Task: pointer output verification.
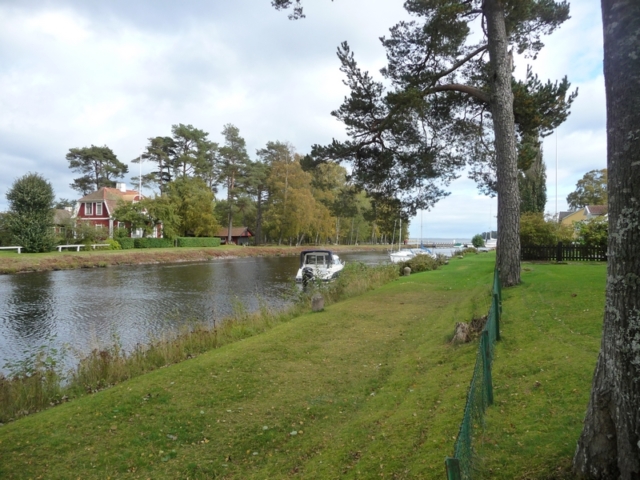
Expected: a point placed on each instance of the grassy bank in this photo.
(12, 262)
(543, 371)
(369, 387)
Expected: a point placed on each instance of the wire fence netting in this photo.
(480, 395)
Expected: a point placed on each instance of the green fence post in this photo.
(453, 468)
(496, 310)
(486, 351)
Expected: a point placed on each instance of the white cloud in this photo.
(75, 73)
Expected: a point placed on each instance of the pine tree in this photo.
(453, 102)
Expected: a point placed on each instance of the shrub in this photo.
(594, 232)
(422, 263)
(113, 244)
(126, 243)
(536, 230)
(477, 241)
(152, 243)
(198, 242)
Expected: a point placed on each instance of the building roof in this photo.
(561, 215)
(110, 197)
(235, 232)
(597, 210)
(61, 216)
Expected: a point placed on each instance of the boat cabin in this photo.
(317, 258)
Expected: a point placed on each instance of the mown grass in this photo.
(543, 370)
(370, 386)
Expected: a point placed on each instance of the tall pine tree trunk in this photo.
(609, 446)
(508, 253)
(259, 219)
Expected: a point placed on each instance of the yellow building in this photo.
(586, 213)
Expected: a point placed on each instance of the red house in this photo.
(239, 235)
(98, 208)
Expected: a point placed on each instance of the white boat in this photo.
(402, 255)
(409, 253)
(323, 265)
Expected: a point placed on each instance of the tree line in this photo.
(282, 196)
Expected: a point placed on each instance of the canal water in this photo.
(82, 310)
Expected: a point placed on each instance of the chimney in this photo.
(121, 186)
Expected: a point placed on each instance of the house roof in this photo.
(561, 215)
(597, 209)
(110, 197)
(60, 216)
(235, 232)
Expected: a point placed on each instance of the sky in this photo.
(75, 73)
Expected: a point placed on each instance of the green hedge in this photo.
(153, 243)
(126, 243)
(198, 242)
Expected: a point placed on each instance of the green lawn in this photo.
(368, 388)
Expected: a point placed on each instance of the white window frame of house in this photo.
(99, 208)
(99, 226)
(88, 209)
(121, 225)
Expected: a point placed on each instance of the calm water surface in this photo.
(88, 309)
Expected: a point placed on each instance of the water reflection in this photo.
(29, 306)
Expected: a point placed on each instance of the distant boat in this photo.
(409, 253)
(491, 243)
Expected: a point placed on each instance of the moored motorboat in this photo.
(409, 253)
(323, 265)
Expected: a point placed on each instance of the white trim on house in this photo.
(98, 208)
(88, 208)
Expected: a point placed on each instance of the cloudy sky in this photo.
(79, 72)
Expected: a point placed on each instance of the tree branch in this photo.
(460, 62)
(456, 87)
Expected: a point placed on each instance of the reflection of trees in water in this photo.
(127, 305)
(30, 305)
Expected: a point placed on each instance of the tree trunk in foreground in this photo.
(508, 252)
(609, 447)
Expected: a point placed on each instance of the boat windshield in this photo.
(315, 259)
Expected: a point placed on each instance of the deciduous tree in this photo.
(291, 203)
(192, 202)
(591, 189)
(609, 446)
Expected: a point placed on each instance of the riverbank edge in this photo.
(11, 263)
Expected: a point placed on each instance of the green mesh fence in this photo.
(480, 395)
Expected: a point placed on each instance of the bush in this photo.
(477, 241)
(113, 244)
(594, 232)
(536, 230)
(422, 263)
(126, 243)
(198, 242)
(152, 243)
